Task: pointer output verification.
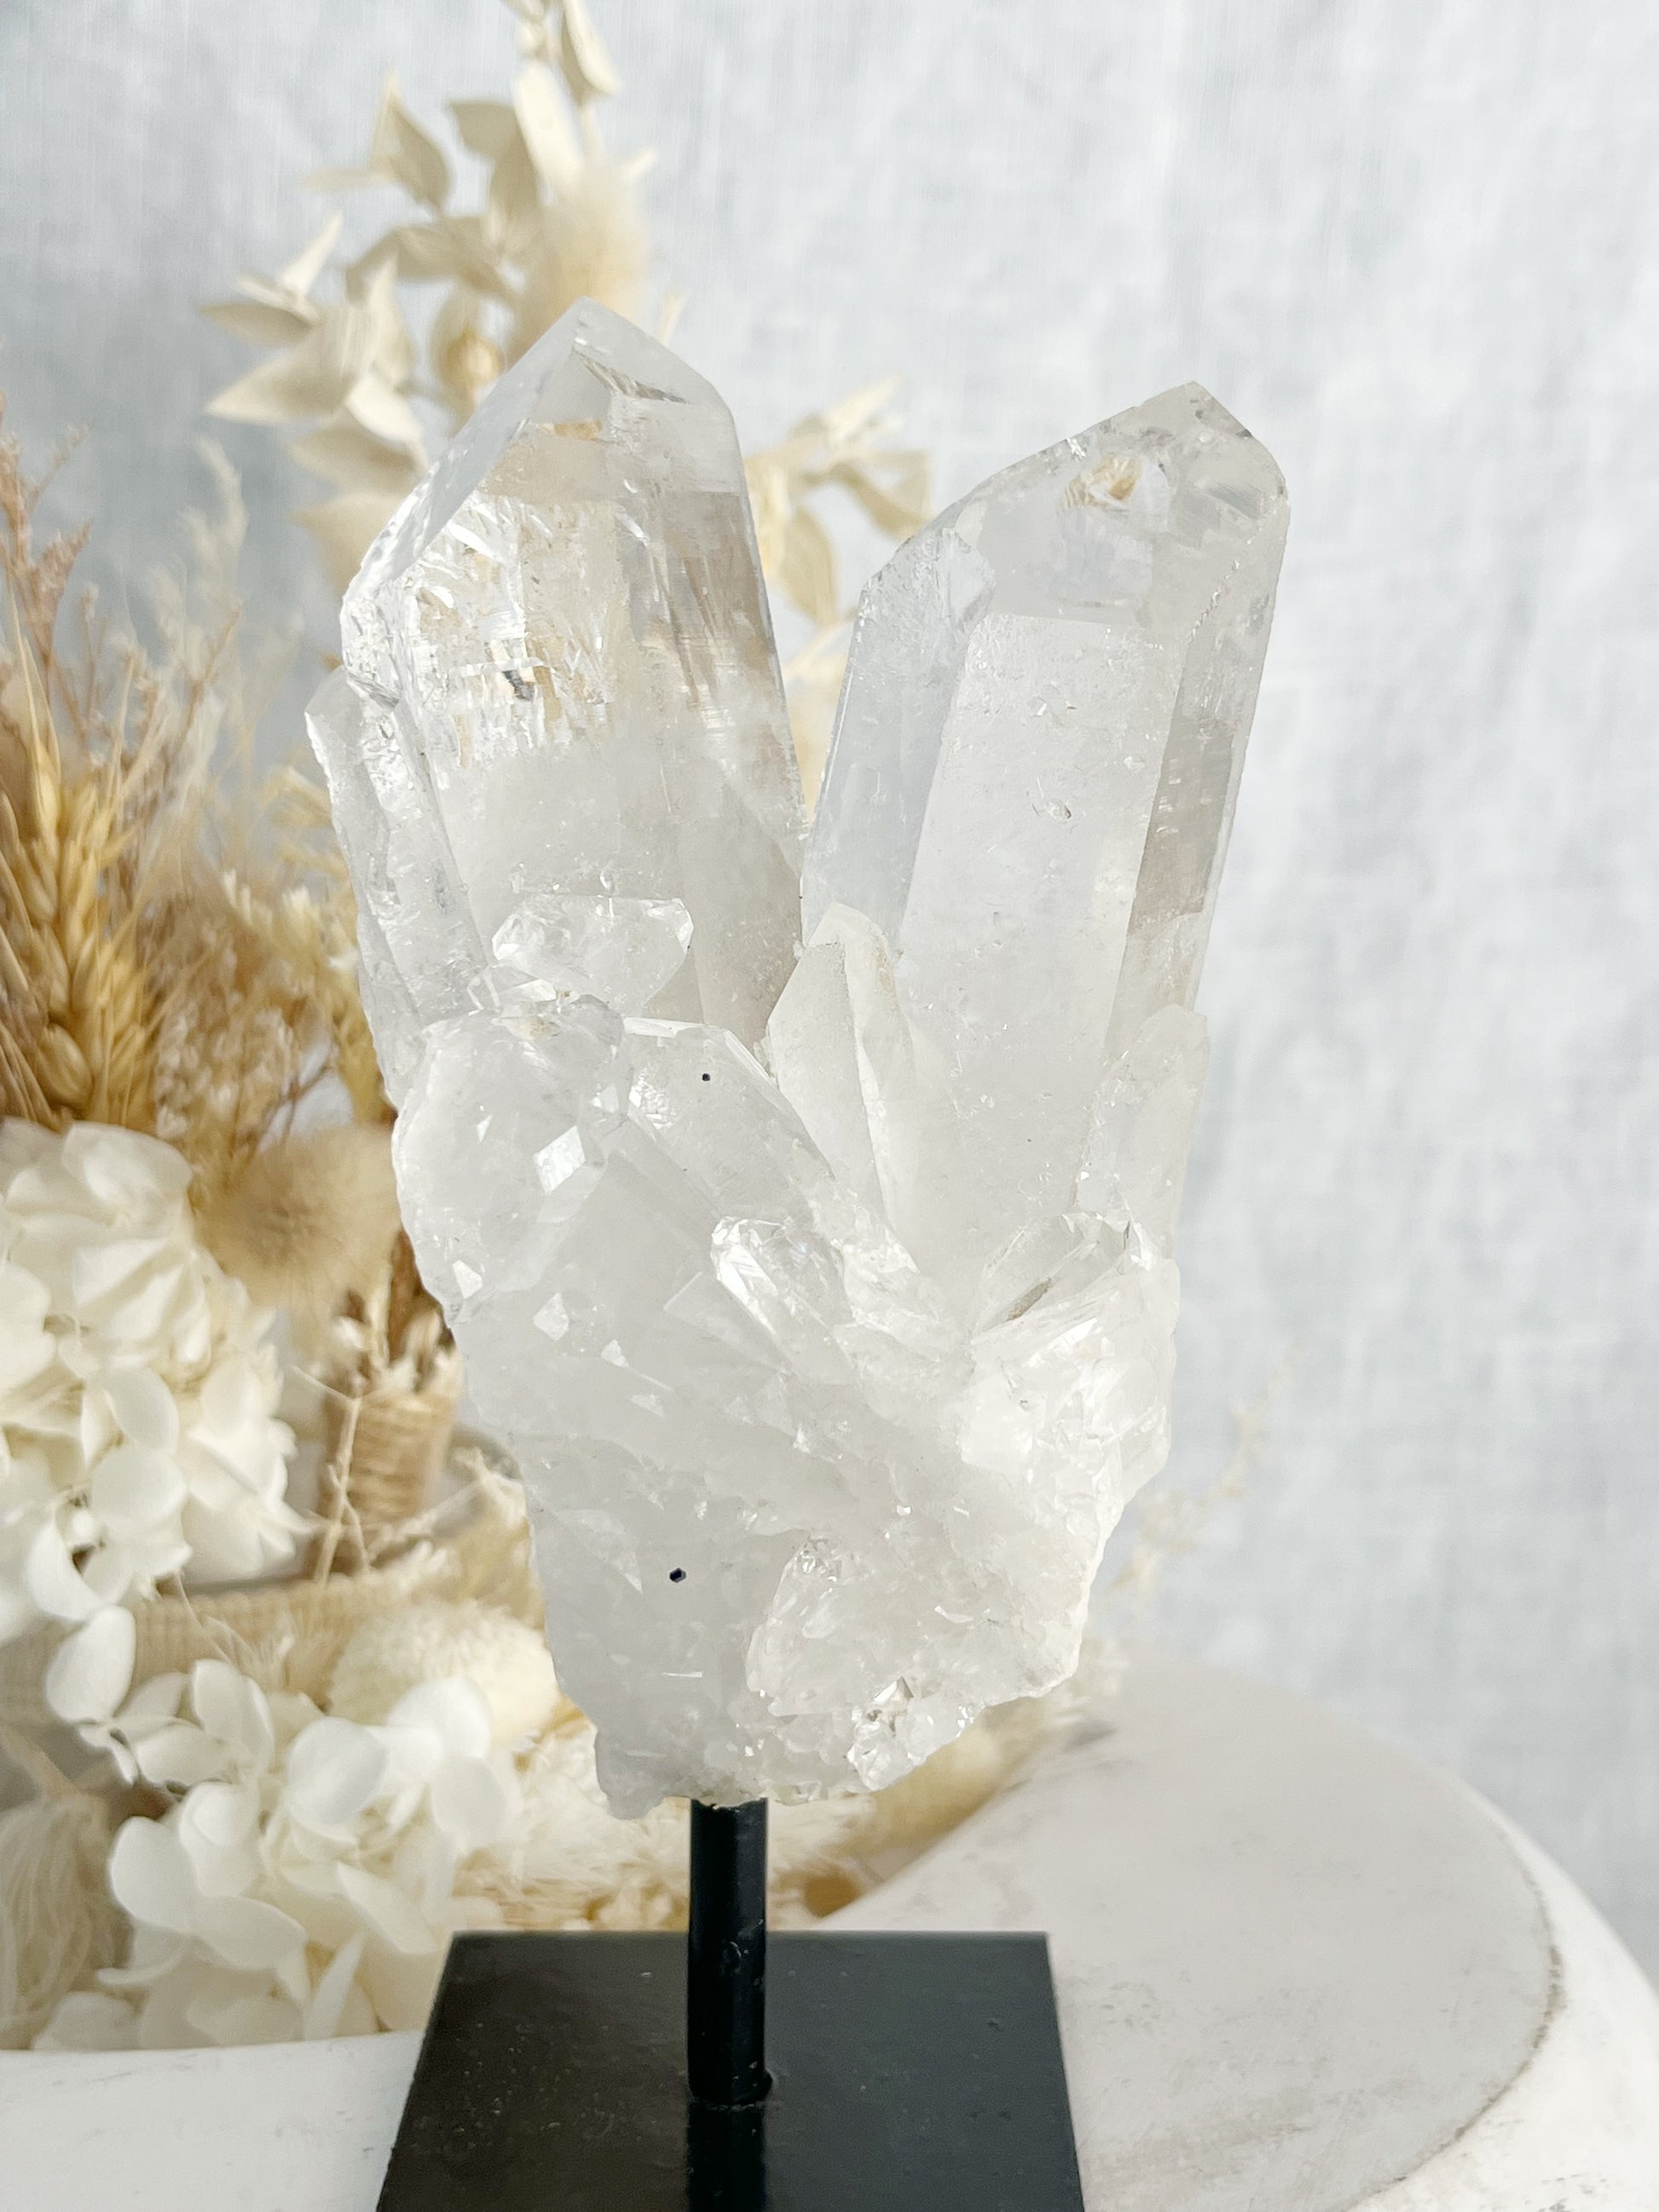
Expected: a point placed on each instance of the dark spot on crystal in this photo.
(677, 1574)
(707, 1077)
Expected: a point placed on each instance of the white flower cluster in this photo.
(138, 1386)
(303, 1884)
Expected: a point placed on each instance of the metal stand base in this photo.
(910, 2074)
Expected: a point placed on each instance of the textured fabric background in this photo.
(1414, 248)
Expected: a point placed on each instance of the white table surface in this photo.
(1296, 1972)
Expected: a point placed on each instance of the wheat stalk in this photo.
(76, 1016)
(138, 985)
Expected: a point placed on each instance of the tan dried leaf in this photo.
(513, 211)
(347, 456)
(807, 569)
(534, 31)
(484, 126)
(311, 377)
(539, 108)
(308, 265)
(769, 496)
(404, 153)
(668, 316)
(588, 69)
(261, 322)
(451, 247)
(899, 505)
(343, 529)
(385, 414)
(341, 179)
(391, 350)
(853, 417)
(592, 246)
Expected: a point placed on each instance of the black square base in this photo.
(910, 2074)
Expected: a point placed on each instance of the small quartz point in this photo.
(559, 685)
(827, 1301)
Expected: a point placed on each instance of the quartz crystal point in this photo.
(831, 1344)
(560, 715)
(1031, 784)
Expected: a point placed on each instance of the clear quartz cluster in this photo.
(824, 1293)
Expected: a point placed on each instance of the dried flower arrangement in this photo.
(560, 219)
(319, 1740)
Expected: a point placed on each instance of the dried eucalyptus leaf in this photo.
(341, 180)
(312, 378)
(404, 153)
(807, 570)
(485, 126)
(588, 69)
(539, 107)
(302, 272)
(343, 529)
(514, 215)
(391, 350)
(347, 455)
(260, 322)
(385, 412)
(897, 508)
(450, 248)
(859, 412)
(769, 496)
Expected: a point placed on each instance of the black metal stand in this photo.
(600, 2072)
(725, 1957)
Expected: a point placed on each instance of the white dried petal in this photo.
(121, 1341)
(325, 2014)
(335, 1770)
(90, 1670)
(150, 1877)
(454, 1710)
(235, 1710)
(387, 1912)
(473, 1802)
(249, 1935)
(176, 1756)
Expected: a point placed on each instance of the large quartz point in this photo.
(560, 686)
(1032, 781)
(827, 1301)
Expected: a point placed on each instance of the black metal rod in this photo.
(725, 1956)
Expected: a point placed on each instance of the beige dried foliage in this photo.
(103, 759)
(843, 448)
(559, 220)
(589, 245)
(177, 945)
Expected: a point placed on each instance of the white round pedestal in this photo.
(1296, 1972)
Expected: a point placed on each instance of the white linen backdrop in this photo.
(1416, 248)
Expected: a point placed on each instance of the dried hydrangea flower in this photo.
(138, 1385)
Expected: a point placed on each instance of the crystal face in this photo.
(827, 1301)
(1034, 772)
(560, 682)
